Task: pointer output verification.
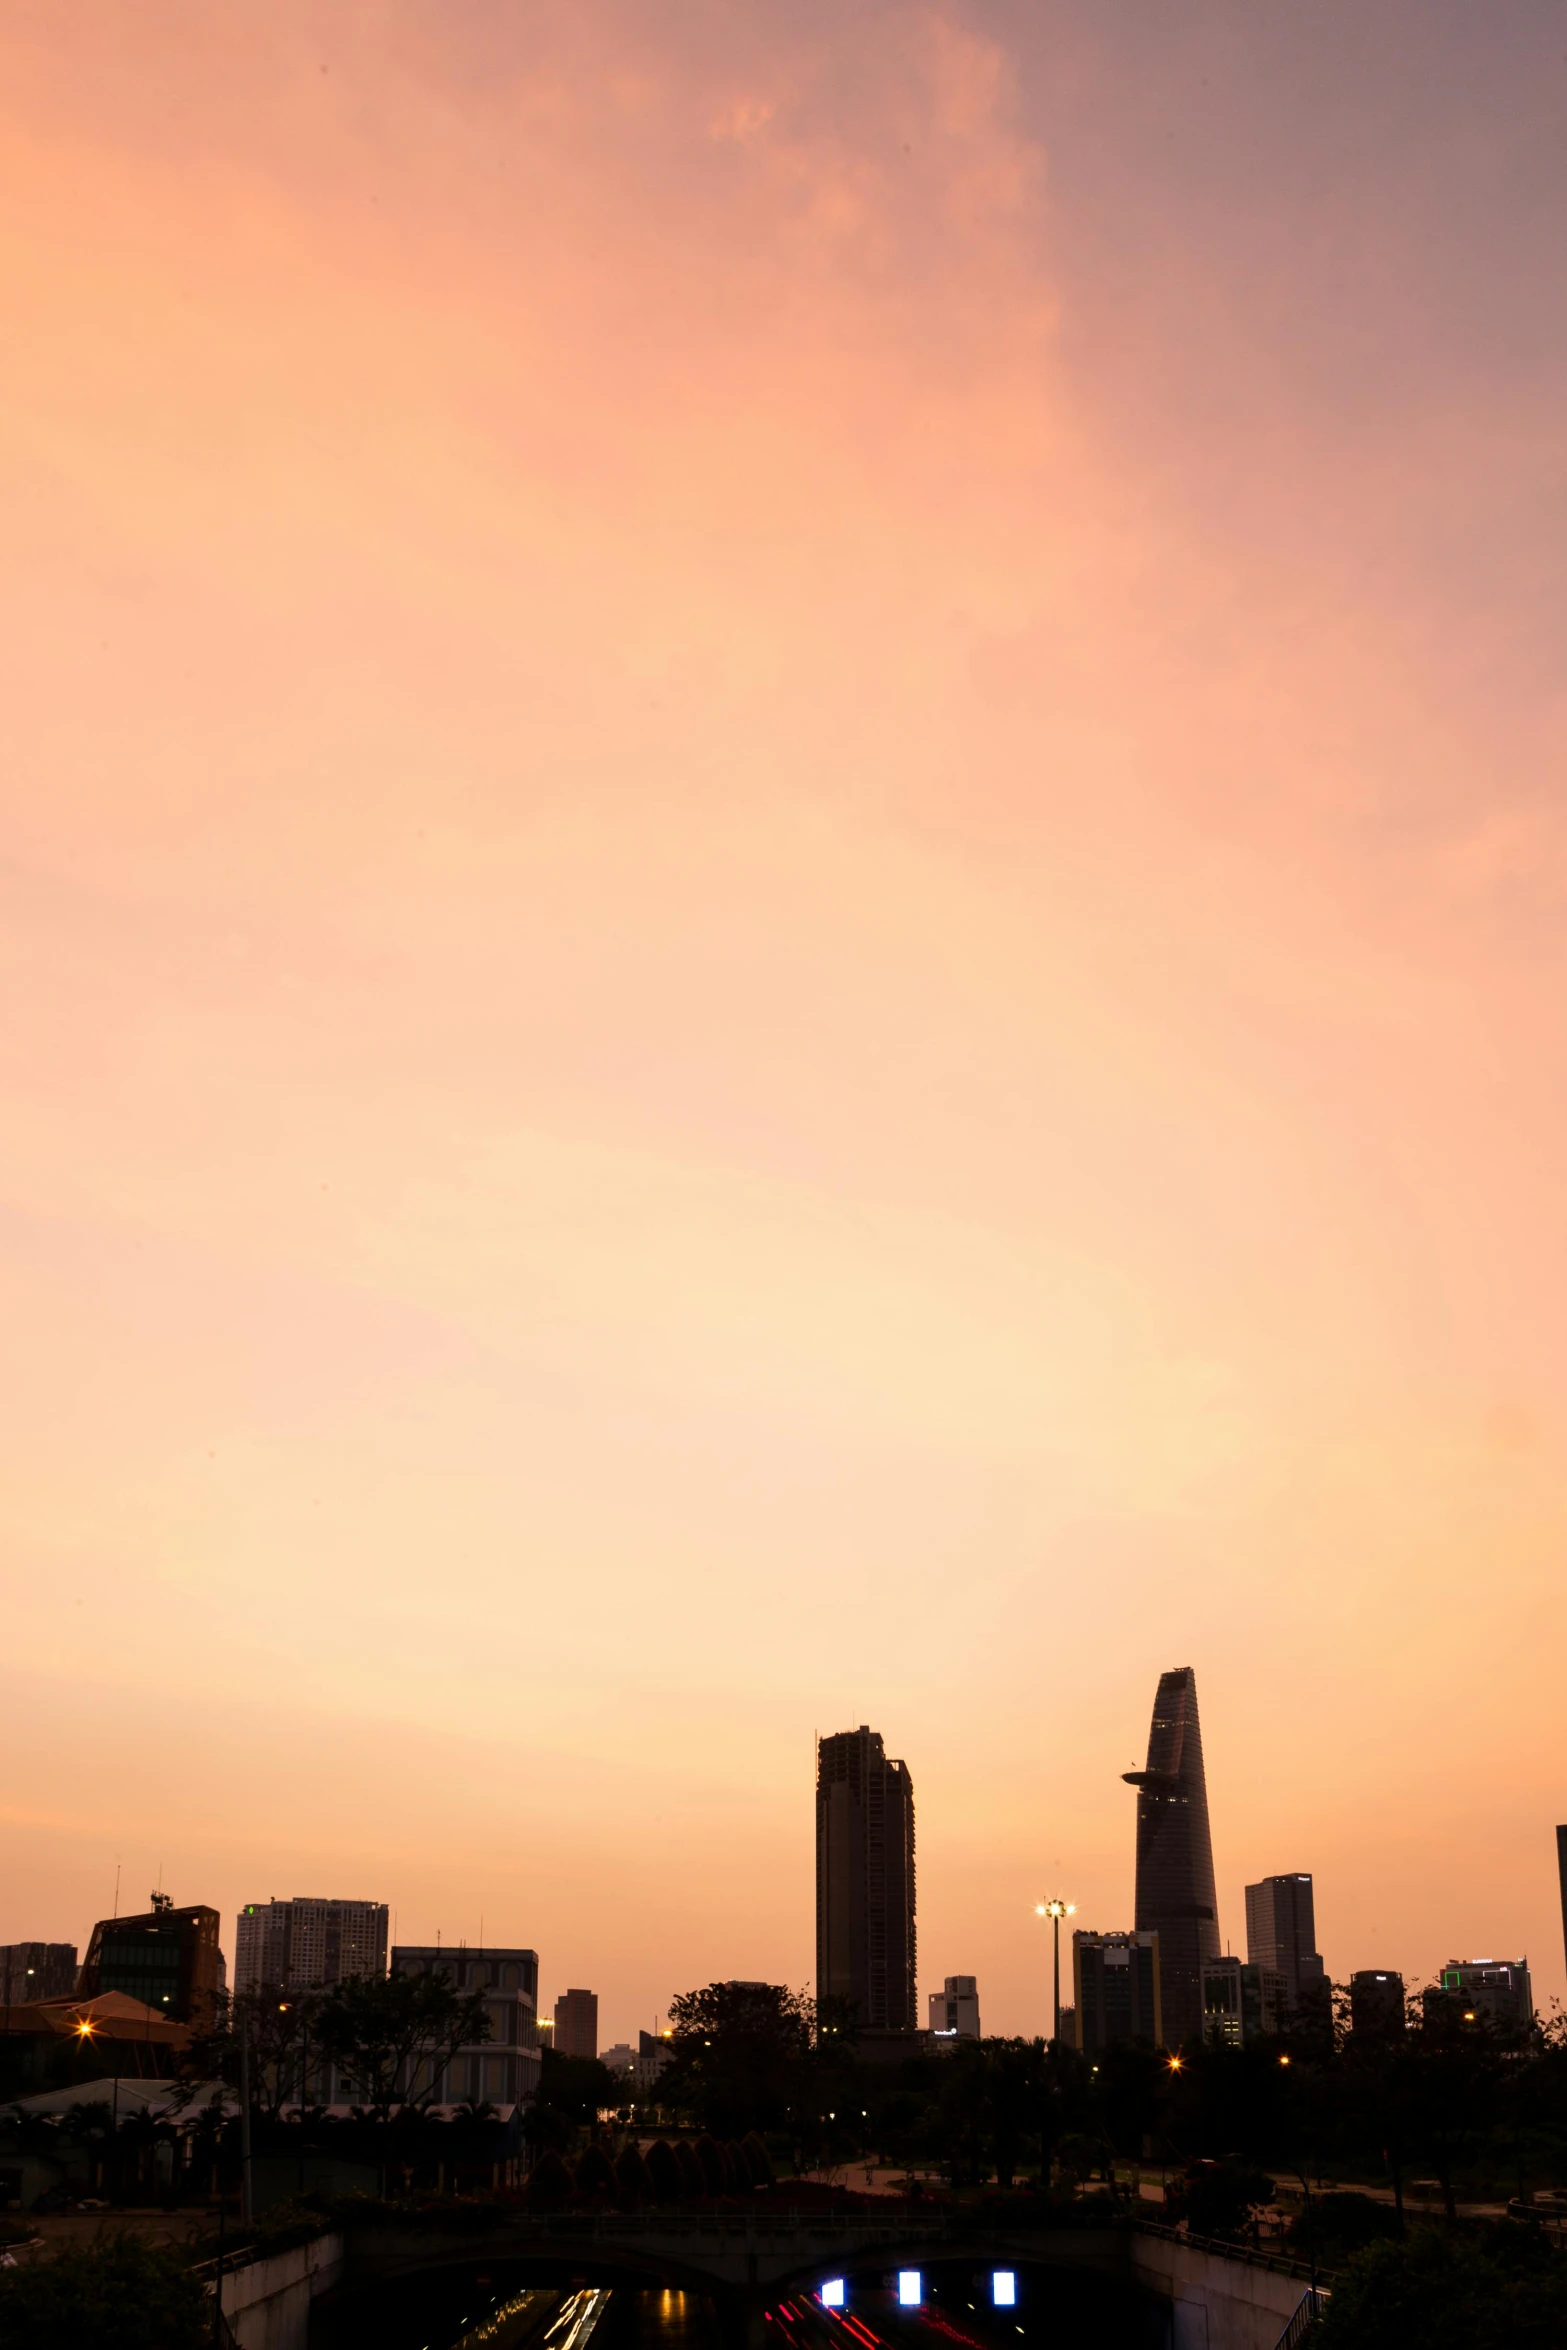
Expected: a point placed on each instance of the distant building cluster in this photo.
(1167, 1979)
(148, 1982)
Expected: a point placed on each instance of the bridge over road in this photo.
(1217, 2297)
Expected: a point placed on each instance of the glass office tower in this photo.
(1175, 1889)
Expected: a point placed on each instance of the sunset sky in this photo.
(783, 944)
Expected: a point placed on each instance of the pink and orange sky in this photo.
(783, 880)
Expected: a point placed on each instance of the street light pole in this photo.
(1055, 1910)
(247, 2193)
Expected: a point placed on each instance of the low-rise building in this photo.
(639, 2066)
(167, 1958)
(36, 1970)
(55, 2043)
(1497, 1988)
(954, 2010)
(502, 2071)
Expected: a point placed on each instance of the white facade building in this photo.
(502, 2071)
(954, 2010)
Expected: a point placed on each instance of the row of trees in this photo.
(1450, 2099)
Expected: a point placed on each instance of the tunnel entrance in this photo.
(956, 2304)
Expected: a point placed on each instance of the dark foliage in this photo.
(280, 2030)
(757, 2159)
(395, 2034)
(595, 2173)
(1334, 2226)
(692, 2180)
(549, 2183)
(663, 2171)
(1435, 2289)
(118, 2293)
(740, 2055)
(1219, 2198)
(632, 2184)
(544, 2127)
(578, 2086)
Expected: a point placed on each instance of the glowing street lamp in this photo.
(1055, 1911)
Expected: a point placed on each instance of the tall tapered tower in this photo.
(865, 1951)
(1175, 1891)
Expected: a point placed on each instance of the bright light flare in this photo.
(1003, 2288)
(832, 2293)
(911, 2288)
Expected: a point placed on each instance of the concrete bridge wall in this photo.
(1215, 2303)
(267, 2302)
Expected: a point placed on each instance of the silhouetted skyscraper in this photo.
(1281, 1933)
(1376, 2003)
(1561, 1871)
(865, 1946)
(1175, 1891)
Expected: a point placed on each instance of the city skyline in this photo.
(1279, 1909)
(782, 922)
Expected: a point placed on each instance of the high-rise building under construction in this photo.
(865, 1881)
(1175, 1890)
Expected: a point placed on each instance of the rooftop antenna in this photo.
(116, 1910)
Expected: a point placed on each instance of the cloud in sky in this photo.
(781, 923)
